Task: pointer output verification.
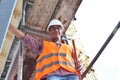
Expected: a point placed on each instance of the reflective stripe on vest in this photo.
(52, 58)
(53, 54)
(54, 63)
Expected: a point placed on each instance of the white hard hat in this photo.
(55, 22)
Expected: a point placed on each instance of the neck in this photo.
(56, 40)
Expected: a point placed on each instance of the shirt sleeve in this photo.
(32, 43)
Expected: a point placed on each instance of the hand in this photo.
(79, 67)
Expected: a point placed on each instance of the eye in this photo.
(55, 27)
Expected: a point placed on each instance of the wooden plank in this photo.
(2, 58)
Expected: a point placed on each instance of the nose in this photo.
(57, 29)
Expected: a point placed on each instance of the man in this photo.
(55, 61)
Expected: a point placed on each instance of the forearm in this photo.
(19, 34)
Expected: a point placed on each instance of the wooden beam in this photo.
(43, 10)
(40, 14)
(65, 11)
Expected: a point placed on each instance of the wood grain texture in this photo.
(65, 11)
(41, 13)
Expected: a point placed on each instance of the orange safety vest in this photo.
(52, 58)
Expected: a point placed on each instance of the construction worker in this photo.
(55, 61)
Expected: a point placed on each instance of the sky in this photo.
(95, 21)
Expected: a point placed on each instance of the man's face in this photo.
(55, 32)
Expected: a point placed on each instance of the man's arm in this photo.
(19, 34)
(31, 42)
